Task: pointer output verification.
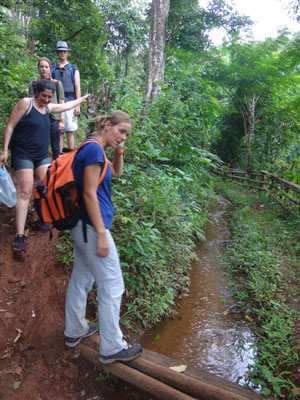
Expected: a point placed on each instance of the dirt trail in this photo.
(34, 363)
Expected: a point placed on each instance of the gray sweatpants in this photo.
(106, 272)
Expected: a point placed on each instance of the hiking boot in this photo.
(133, 351)
(72, 342)
(18, 243)
(38, 225)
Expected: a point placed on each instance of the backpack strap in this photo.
(53, 70)
(71, 69)
(55, 82)
(92, 140)
(103, 172)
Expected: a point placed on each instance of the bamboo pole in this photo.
(267, 179)
(284, 182)
(293, 200)
(246, 179)
(278, 201)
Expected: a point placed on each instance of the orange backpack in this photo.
(56, 198)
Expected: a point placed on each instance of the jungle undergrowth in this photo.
(263, 267)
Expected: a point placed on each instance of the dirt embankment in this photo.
(34, 363)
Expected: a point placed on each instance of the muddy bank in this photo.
(34, 363)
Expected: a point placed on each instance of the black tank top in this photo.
(31, 136)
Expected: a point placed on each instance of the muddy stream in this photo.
(201, 334)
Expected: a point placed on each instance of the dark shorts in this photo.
(22, 163)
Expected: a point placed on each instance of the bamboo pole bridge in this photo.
(151, 372)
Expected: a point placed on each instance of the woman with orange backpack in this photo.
(96, 260)
(27, 132)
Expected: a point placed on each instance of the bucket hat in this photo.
(62, 46)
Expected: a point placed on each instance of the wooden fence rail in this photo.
(285, 193)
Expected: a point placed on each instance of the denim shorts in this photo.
(22, 163)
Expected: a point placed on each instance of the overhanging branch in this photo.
(76, 33)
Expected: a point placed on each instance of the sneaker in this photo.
(72, 342)
(133, 351)
(18, 243)
(38, 225)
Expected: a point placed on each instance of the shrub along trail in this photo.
(263, 264)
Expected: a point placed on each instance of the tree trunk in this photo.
(249, 115)
(156, 63)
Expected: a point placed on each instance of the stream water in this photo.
(201, 334)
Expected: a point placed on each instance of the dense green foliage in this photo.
(194, 36)
(16, 67)
(260, 85)
(263, 264)
(157, 219)
(239, 101)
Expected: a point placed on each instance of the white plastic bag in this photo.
(8, 192)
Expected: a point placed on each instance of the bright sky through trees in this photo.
(267, 15)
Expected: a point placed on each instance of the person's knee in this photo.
(111, 291)
(70, 137)
(24, 192)
(70, 140)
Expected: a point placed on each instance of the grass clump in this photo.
(263, 265)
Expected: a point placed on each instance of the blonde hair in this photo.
(115, 117)
(48, 61)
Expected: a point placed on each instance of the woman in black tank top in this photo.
(27, 132)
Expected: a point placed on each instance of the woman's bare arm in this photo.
(90, 186)
(17, 113)
(57, 108)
